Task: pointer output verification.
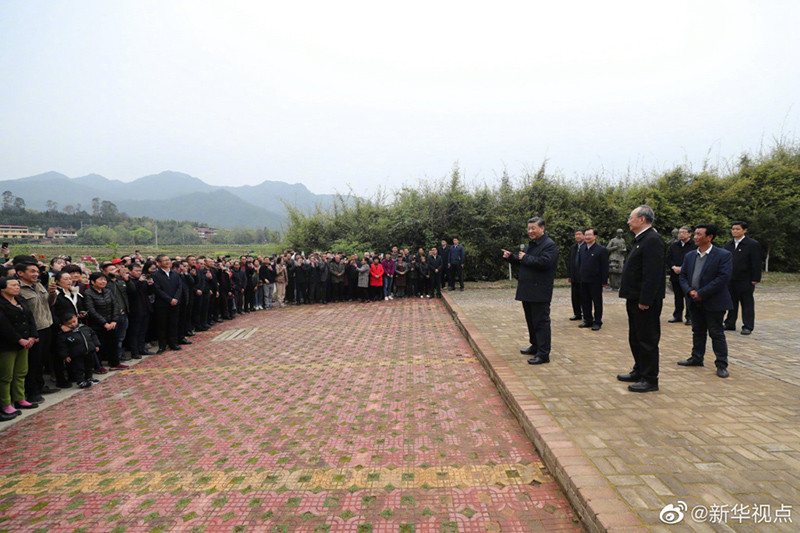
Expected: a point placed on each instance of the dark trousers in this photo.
(412, 287)
(224, 305)
(238, 299)
(211, 307)
(57, 367)
(198, 318)
(708, 323)
(681, 300)
(80, 367)
(742, 293)
(456, 271)
(575, 293)
(537, 316)
(37, 357)
(184, 322)
(376, 292)
(166, 318)
(336, 291)
(249, 298)
(644, 334)
(316, 291)
(302, 293)
(592, 294)
(435, 284)
(137, 332)
(108, 346)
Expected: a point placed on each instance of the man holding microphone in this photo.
(537, 272)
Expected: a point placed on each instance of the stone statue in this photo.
(616, 259)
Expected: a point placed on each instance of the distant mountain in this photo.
(172, 195)
(219, 209)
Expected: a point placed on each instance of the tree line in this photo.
(762, 189)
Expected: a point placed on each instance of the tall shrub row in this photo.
(763, 190)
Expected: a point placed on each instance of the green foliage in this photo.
(763, 190)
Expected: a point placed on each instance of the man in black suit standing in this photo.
(643, 286)
(675, 254)
(537, 272)
(746, 275)
(704, 278)
(574, 275)
(167, 287)
(594, 276)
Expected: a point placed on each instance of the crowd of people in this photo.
(73, 321)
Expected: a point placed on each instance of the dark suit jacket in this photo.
(456, 255)
(166, 288)
(573, 265)
(746, 260)
(594, 264)
(676, 253)
(714, 278)
(643, 277)
(537, 270)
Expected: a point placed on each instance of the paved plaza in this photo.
(729, 446)
(348, 417)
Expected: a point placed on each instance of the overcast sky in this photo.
(331, 94)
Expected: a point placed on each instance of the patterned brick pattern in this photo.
(700, 439)
(346, 417)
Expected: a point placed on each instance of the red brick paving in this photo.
(344, 417)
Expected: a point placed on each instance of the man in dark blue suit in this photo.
(167, 288)
(537, 272)
(593, 276)
(704, 278)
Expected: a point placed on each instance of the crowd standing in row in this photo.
(63, 320)
(707, 281)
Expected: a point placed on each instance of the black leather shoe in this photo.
(576, 317)
(148, 352)
(530, 350)
(136, 356)
(629, 378)
(688, 322)
(161, 350)
(585, 325)
(190, 333)
(729, 327)
(47, 390)
(746, 331)
(184, 341)
(596, 327)
(691, 362)
(36, 399)
(643, 386)
(18, 405)
(722, 372)
(5, 417)
(175, 348)
(538, 360)
(674, 320)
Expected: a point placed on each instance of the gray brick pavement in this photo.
(700, 439)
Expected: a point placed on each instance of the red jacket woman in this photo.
(376, 274)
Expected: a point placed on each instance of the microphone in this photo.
(521, 247)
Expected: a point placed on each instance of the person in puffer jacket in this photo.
(76, 345)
